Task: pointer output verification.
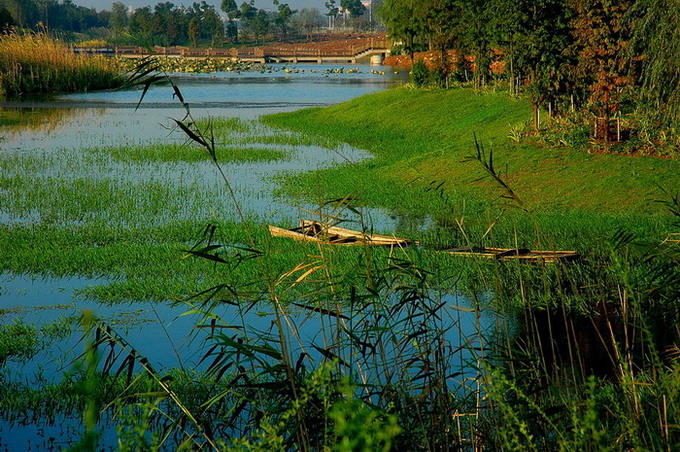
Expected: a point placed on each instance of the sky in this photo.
(266, 4)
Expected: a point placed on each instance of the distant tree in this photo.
(141, 24)
(505, 19)
(247, 14)
(656, 36)
(213, 24)
(119, 18)
(355, 7)
(282, 18)
(443, 22)
(24, 12)
(405, 21)
(543, 35)
(194, 30)
(261, 24)
(602, 37)
(307, 20)
(231, 10)
(6, 19)
(477, 36)
(228, 6)
(332, 13)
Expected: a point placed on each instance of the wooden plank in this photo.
(515, 254)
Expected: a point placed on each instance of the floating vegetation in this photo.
(192, 65)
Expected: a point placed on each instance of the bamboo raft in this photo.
(515, 254)
(314, 231)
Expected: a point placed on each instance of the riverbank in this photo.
(424, 136)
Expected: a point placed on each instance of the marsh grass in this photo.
(21, 341)
(243, 132)
(35, 62)
(183, 153)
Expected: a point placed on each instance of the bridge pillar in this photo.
(377, 59)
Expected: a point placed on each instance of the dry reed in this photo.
(38, 63)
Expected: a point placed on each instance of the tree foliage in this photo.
(560, 53)
(63, 15)
(656, 36)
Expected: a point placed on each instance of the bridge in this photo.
(370, 51)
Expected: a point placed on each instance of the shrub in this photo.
(420, 74)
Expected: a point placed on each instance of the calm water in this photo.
(71, 123)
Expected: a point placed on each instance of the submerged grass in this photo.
(39, 63)
(185, 153)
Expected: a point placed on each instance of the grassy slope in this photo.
(422, 136)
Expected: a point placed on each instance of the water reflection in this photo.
(601, 343)
(45, 120)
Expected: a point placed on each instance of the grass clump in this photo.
(39, 63)
(18, 341)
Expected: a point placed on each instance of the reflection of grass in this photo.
(38, 118)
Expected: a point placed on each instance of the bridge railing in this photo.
(248, 52)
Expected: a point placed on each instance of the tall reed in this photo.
(38, 63)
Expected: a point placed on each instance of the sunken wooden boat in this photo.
(315, 231)
(520, 254)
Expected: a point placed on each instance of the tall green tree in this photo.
(505, 29)
(355, 7)
(261, 24)
(142, 25)
(282, 18)
(476, 33)
(212, 25)
(405, 21)
(543, 34)
(231, 10)
(119, 18)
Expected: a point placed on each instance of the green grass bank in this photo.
(421, 138)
